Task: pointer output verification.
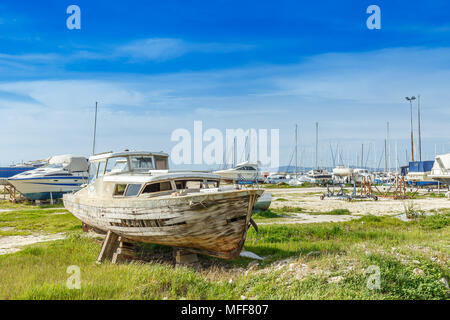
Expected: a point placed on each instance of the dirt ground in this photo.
(12, 244)
(309, 200)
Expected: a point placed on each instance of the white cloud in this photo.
(161, 49)
(154, 49)
(352, 95)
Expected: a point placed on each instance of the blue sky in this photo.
(155, 66)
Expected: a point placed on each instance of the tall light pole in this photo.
(410, 99)
(296, 151)
(418, 120)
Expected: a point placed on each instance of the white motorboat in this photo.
(264, 201)
(62, 174)
(135, 196)
(319, 176)
(277, 178)
(298, 180)
(441, 169)
(248, 171)
(342, 172)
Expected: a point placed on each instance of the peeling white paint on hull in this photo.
(214, 223)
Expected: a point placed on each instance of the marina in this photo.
(224, 150)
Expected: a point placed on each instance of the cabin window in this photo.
(193, 184)
(212, 184)
(141, 163)
(190, 184)
(119, 190)
(117, 164)
(101, 169)
(157, 187)
(247, 168)
(93, 171)
(132, 190)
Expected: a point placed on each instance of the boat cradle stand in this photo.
(116, 249)
(331, 193)
(119, 250)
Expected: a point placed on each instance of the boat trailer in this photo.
(365, 192)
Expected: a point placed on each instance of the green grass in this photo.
(327, 250)
(287, 211)
(4, 204)
(26, 222)
(334, 212)
(266, 214)
(287, 186)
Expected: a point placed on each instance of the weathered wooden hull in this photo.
(213, 224)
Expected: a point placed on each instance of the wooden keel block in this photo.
(183, 257)
(85, 227)
(109, 246)
(125, 251)
(120, 257)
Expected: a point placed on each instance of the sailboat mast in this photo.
(234, 153)
(296, 151)
(317, 145)
(388, 150)
(362, 155)
(95, 128)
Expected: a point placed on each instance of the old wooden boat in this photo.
(134, 195)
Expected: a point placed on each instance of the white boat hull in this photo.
(41, 189)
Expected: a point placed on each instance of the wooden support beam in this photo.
(110, 244)
(125, 252)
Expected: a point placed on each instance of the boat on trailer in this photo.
(441, 169)
(136, 197)
(62, 174)
(418, 174)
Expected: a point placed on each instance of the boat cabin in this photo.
(144, 174)
(121, 162)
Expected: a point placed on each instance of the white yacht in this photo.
(319, 176)
(441, 169)
(342, 172)
(245, 171)
(62, 174)
(276, 178)
(298, 180)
